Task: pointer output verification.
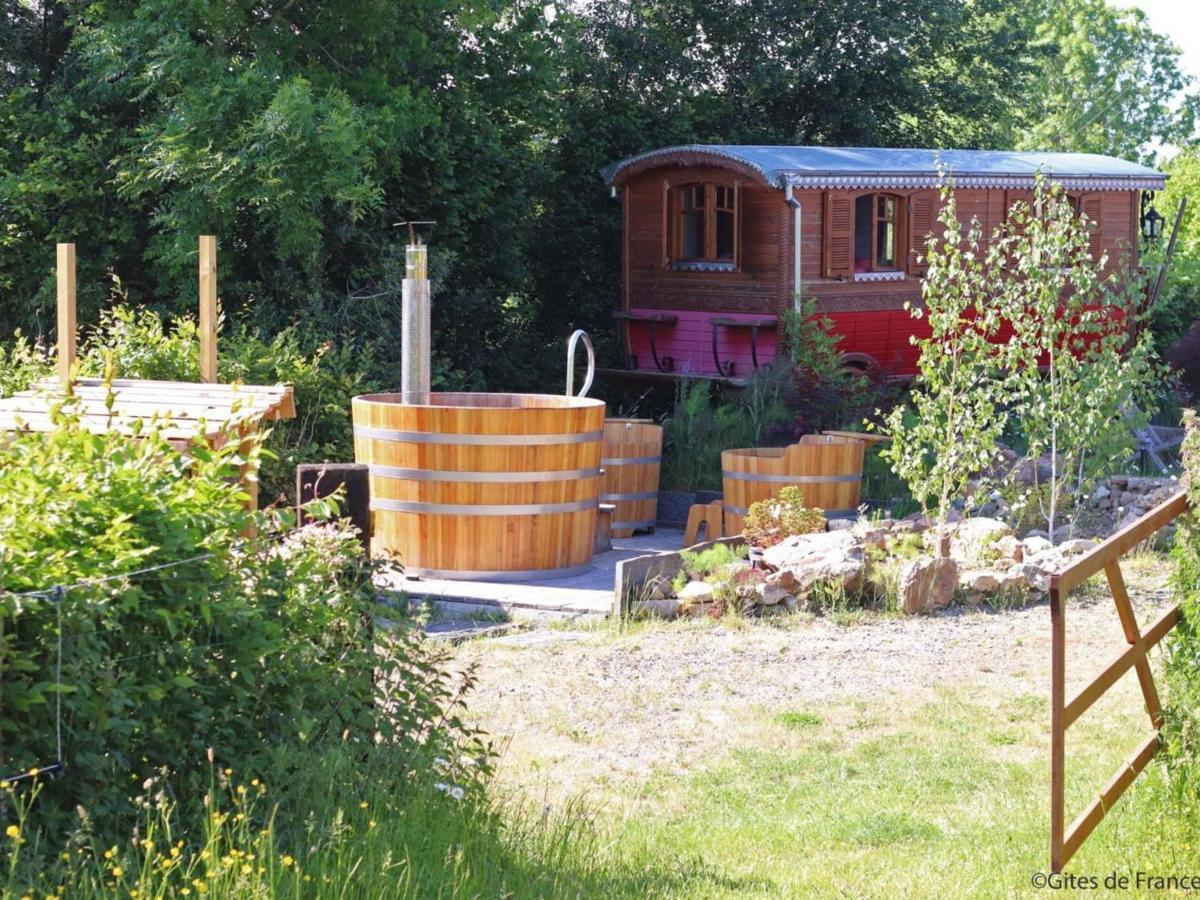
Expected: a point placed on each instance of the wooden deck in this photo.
(184, 411)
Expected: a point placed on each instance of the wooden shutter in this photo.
(922, 215)
(1090, 208)
(839, 235)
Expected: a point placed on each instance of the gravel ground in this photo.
(604, 710)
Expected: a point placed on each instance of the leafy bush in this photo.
(1179, 304)
(22, 364)
(696, 433)
(251, 647)
(698, 565)
(770, 521)
(1183, 659)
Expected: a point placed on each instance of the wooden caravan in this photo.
(719, 239)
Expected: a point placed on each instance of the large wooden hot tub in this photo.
(482, 486)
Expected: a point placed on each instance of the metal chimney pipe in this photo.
(414, 325)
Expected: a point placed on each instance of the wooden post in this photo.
(208, 308)
(1058, 691)
(66, 313)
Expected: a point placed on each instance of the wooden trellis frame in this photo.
(1104, 557)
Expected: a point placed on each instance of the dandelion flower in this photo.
(33, 773)
(371, 824)
(363, 805)
(286, 860)
(117, 872)
(13, 831)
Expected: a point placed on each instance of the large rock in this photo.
(1035, 544)
(803, 560)
(1036, 578)
(914, 523)
(1009, 547)
(928, 583)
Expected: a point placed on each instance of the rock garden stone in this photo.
(928, 583)
(1009, 547)
(1075, 547)
(973, 540)
(913, 523)
(979, 581)
(1035, 544)
(695, 591)
(696, 598)
(772, 594)
(664, 609)
(801, 561)
(1036, 578)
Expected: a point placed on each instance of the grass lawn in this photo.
(949, 799)
(937, 786)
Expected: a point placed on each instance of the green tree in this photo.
(1108, 83)
(298, 132)
(958, 399)
(1178, 306)
(1076, 375)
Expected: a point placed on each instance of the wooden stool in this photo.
(711, 516)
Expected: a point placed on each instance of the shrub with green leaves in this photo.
(22, 364)
(1183, 659)
(178, 633)
(770, 521)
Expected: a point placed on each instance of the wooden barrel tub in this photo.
(631, 460)
(482, 486)
(827, 469)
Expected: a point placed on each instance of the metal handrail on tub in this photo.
(580, 334)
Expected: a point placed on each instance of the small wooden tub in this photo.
(483, 486)
(631, 461)
(827, 469)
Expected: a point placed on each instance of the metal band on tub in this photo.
(791, 479)
(482, 509)
(479, 440)
(639, 495)
(474, 477)
(630, 460)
